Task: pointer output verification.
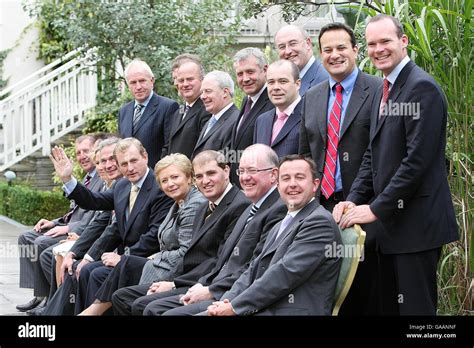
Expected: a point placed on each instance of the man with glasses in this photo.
(279, 127)
(258, 176)
(294, 43)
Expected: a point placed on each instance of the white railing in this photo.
(45, 106)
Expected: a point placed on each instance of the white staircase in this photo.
(45, 106)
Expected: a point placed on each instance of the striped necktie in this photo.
(328, 184)
(252, 212)
(137, 115)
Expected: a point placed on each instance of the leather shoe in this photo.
(30, 305)
(39, 309)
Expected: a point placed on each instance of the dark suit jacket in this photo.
(244, 137)
(315, 74)
(209, 236)
(80, 217)
(241, 244)
(292, 276)
(93, 231)
(287, 141)
(153, 129)
(354, 131)
(219, 136)
(185, 133)
(138, 233)
(404, 168)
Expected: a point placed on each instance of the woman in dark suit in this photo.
(174, 176)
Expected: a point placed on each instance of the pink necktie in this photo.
(279, 123)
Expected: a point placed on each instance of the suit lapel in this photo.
(149, 110)
(127, 121)
(141, 200)
(261, 101)
(217, 125)
(323, 96)
(191, 114)
(267, 128)
(273, 244)
(121, 205)
(293, 120)
(215, 216)
(358, 97)
(394, 92)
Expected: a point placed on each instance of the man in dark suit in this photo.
(336, 139)
(47, 233)
(280, 127)
(258, 176)
(146, 118)
(404, 174)
(139, 207)
(294, 274)
(59, 302)
(188, 121)
(250, 67)
(217, 92)
(294, 43)
(213, 225)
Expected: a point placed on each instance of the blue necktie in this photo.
(210, 124)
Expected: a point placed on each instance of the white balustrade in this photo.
(40, 111)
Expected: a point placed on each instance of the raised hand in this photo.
(62, 164)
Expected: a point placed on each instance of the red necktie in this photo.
(386, 91)
(328, 184)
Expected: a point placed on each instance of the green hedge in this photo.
(27, 206)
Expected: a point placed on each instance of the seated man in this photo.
(139, 205)
(257, 172)
(60, 301)
(293, 275)
(47, 233)
(212, 226)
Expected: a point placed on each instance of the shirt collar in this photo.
(92, 173)
(140, 182)
(220, 113)
(307, 66)
(256, 96)
(294, 213)
(348, 83)
(392, 77)
(261, 200)
(289, 110)
(145, 103)
(227, 189)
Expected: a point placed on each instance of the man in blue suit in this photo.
(279, 127)
(146, 118)
(294, 43)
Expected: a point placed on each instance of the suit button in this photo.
(375, 173)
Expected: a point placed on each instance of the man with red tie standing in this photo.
(402, 180)
(335, 130)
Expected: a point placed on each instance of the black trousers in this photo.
(408, 283)
(133, 300)
(126, 273)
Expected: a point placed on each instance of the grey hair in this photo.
(140, 64)
(223, 80)
(248, 52)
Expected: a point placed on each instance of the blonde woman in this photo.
(174, 176)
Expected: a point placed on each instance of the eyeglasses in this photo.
(251, 171)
